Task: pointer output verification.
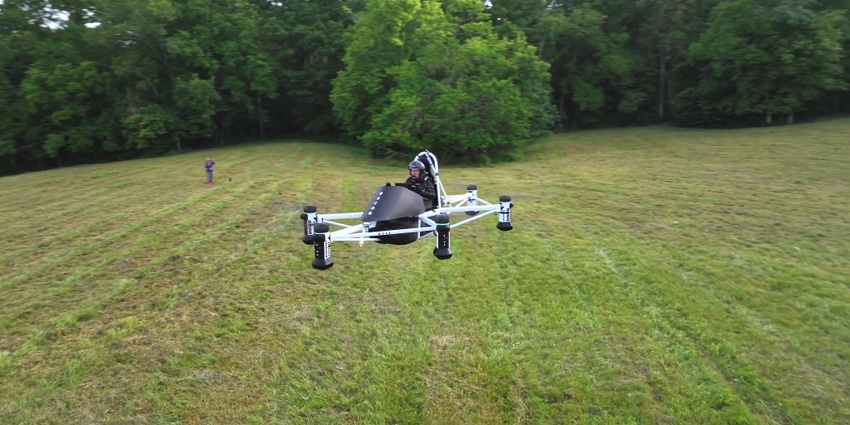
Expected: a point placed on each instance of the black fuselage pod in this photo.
(394, 208)
(391, 202)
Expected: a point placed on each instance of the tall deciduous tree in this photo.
(8, 101)
(449, 82)
(305, 38)
(593, 69)
(374, 44)
(93, 80)
(69, 94)
(21, 38)
(769, 57)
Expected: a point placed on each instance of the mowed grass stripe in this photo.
(792, 299)
(671, 303)
(139, 242)
(137, 229)
(87, 183)
(161, 300)
(218, 306)
(635, 288)
(81, 228)
(143, 230)
(577, 351)
(50, 189)
(709, 239)
(92, 249)
(92, 181)
(67, 292)
(737, 340)
(143, 179)
(645, 282)
(77, 225)
(104, 233)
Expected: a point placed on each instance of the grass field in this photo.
(654, 276)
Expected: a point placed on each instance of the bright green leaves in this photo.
(161, 10)
(71, 97)
(198, 100)
(195, 68)
(440, 80)
(462, 120)
(151, 125)
(398, 75)
(8, 97)
(187, 47)
(592, 67)
(374, 45)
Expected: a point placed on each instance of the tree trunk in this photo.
(574, 118)
(661, 77)
(671, 87)
(224, 126)
(562, 106)
(791, 118)
(260, 119)
(575, 109)
(768, 115)
(155, 91)
(220, 127)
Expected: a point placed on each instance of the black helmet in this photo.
(416, 165)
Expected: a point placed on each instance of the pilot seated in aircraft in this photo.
(421, 183)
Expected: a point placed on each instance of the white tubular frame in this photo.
(468, 203)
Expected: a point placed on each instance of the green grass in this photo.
(654, 276)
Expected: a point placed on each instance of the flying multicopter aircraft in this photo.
(397, 216)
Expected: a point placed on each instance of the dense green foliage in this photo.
(441, 80)
(95, 80)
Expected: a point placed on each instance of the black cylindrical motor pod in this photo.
(472, 198)
(322, 247)
(505, 205)
(309, 218)
(442, 250)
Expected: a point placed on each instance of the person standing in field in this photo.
(209, 166)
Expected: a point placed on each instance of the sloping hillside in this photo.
(653, 276)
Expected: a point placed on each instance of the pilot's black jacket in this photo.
(424, 186)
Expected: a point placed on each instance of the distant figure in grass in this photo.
(209, 166)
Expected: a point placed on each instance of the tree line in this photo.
(102, 80)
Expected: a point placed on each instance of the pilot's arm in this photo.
(425, 189)
(428, 191)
